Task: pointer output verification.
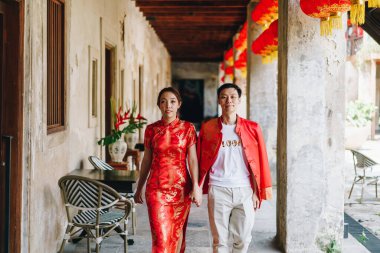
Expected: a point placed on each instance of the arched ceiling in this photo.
(195, 30)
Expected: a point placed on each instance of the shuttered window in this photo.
(55, 66)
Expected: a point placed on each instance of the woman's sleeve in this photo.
(192, 136)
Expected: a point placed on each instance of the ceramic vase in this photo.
(117, 150)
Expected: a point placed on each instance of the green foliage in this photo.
(116, 134)
(363, 237)
(124, 122)
(332, 247)
(359, 113)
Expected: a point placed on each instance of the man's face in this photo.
(229, 100)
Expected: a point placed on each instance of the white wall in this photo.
(90, 26)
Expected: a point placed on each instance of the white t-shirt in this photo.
(230, 168)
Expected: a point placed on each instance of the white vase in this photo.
(117, 150)
(132, 139)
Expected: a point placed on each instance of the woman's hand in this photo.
(137, 197)
(196, 195)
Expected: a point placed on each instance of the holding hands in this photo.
(196, 195)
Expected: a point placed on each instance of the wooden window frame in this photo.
(93, 56)
(56, 88)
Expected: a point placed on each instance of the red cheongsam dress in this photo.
(169, 184)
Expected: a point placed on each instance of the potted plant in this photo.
(358, 118)
(124, 122)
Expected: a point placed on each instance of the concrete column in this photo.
(263, 94)
(310, 149)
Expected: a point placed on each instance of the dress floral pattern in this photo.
(169, 184)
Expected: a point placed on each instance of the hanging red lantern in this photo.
(312, 9)
(241, 62)
(265, 12)
(241, 42)
(335, 8)
(266, 44)
(229, 70)
(328, 11)
(229, 57)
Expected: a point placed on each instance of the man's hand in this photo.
(255, 200)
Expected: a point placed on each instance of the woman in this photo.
(169, 191)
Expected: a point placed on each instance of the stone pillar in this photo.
(310, 151)
(263, 94)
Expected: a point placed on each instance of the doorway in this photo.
(109, 65)
(11, 90)
(192, 107)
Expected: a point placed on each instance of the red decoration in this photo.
(328, 11)
(241, 42)
(229, 70)
(265, 12)
(229, 57)
(266, 44)
(241, 62)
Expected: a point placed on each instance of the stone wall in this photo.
(91, 26)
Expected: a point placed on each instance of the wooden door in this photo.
(11, 76)
(109, 91)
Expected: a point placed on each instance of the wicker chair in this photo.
(101, 165)
(365, 169)
(90, 206)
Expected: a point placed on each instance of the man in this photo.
(234, 171)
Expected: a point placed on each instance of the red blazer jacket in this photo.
(210, 138)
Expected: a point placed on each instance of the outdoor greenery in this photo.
(328, 245)
(363, 237)
(359, 113)
(124, 122)
(332, 247)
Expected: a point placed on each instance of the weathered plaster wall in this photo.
(263, 98)
(90, 27)
(206, 71)
(311, 147)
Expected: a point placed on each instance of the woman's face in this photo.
(169, 105)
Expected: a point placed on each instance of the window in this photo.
(93, 86)
(55, 66)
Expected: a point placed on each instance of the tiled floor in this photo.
(199, 238)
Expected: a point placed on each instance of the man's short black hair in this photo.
(227, 86)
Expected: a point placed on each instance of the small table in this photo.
(119, 166)
(120, 180)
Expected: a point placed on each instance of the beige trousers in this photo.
(231, 211)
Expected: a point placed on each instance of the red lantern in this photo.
(229, 57)
(241, 62)
(241, 42)
(229, 70)
(312, 9)
(266, 44)
(328, 11)
(335, 8)
(265, 12)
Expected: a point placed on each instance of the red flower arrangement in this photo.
(124, 122)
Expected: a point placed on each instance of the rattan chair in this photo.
(367, 172)
(90, 205)
(101, 165)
